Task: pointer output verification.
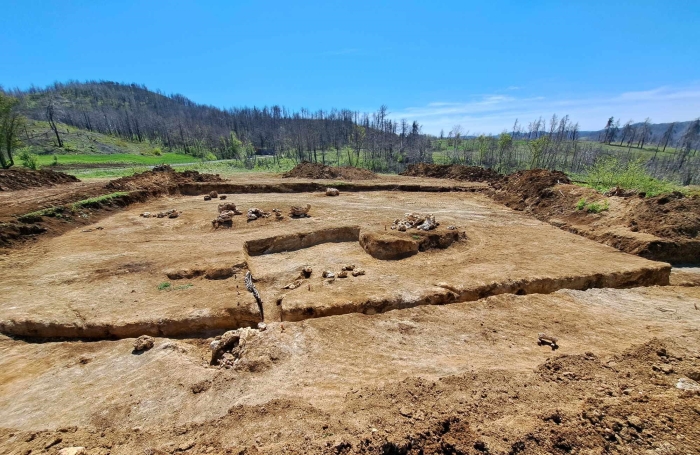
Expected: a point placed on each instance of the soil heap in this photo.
(524, 189)
(306, 170)
(452, 171)
(160, 178)
(20, 179)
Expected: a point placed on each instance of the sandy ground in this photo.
(346, 378)
(105, 282)
(454, 377)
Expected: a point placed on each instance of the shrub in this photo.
(581, 204)
(609, 172)
(28, 160)
(164, 286)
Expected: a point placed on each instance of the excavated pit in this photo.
(189, 278)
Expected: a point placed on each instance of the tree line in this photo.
(339, 136)
(134, 113)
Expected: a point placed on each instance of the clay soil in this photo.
(434, 353)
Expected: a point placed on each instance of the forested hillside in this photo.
(134, 113)
(108, 117)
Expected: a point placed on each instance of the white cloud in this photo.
(496, 113)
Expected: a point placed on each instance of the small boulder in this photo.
(72, 451)
(222, 197)
(299, 212)
(332, 192)
(213, 195)
(144, 343)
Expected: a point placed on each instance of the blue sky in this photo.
(477, 64)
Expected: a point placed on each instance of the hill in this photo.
(173, 123)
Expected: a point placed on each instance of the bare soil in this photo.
(462, 378)
(16, 228)
(162, 178)
(308, 170)
(20, 179)
(122, 264)
(434, 353)
(663, 228)
(453, 171)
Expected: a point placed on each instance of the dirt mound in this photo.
(624, 220)
(524, 189)
(452, 171)
(670, 216)
(160, 178)
(20, 179)
(306, 170)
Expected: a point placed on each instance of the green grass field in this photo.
(126, 159)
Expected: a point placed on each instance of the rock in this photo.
(294, 284)
(225, 219)
(255, 213)
(387, 246)
(144, 343)
(687, 384)
(415, 220)
(332, 192)
(223, 345)
(300, 212)
(343, 274)
(306, 271)
(262, 326)
(146, 214)
(172, 213)
(635, 422)
(229, 207)
(213, 195)
(428, 224)
(349, 267)
(222, 197)
(72, 451)
(207, 198)
(358, 272)
(328, 274)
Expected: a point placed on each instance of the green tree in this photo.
(10, 123)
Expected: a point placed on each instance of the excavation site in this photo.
(334, 310)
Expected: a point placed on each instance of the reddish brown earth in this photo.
(20, 179)
(162, 178)
(453, 171)
(306, 170)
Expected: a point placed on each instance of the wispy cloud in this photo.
(497, 112)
